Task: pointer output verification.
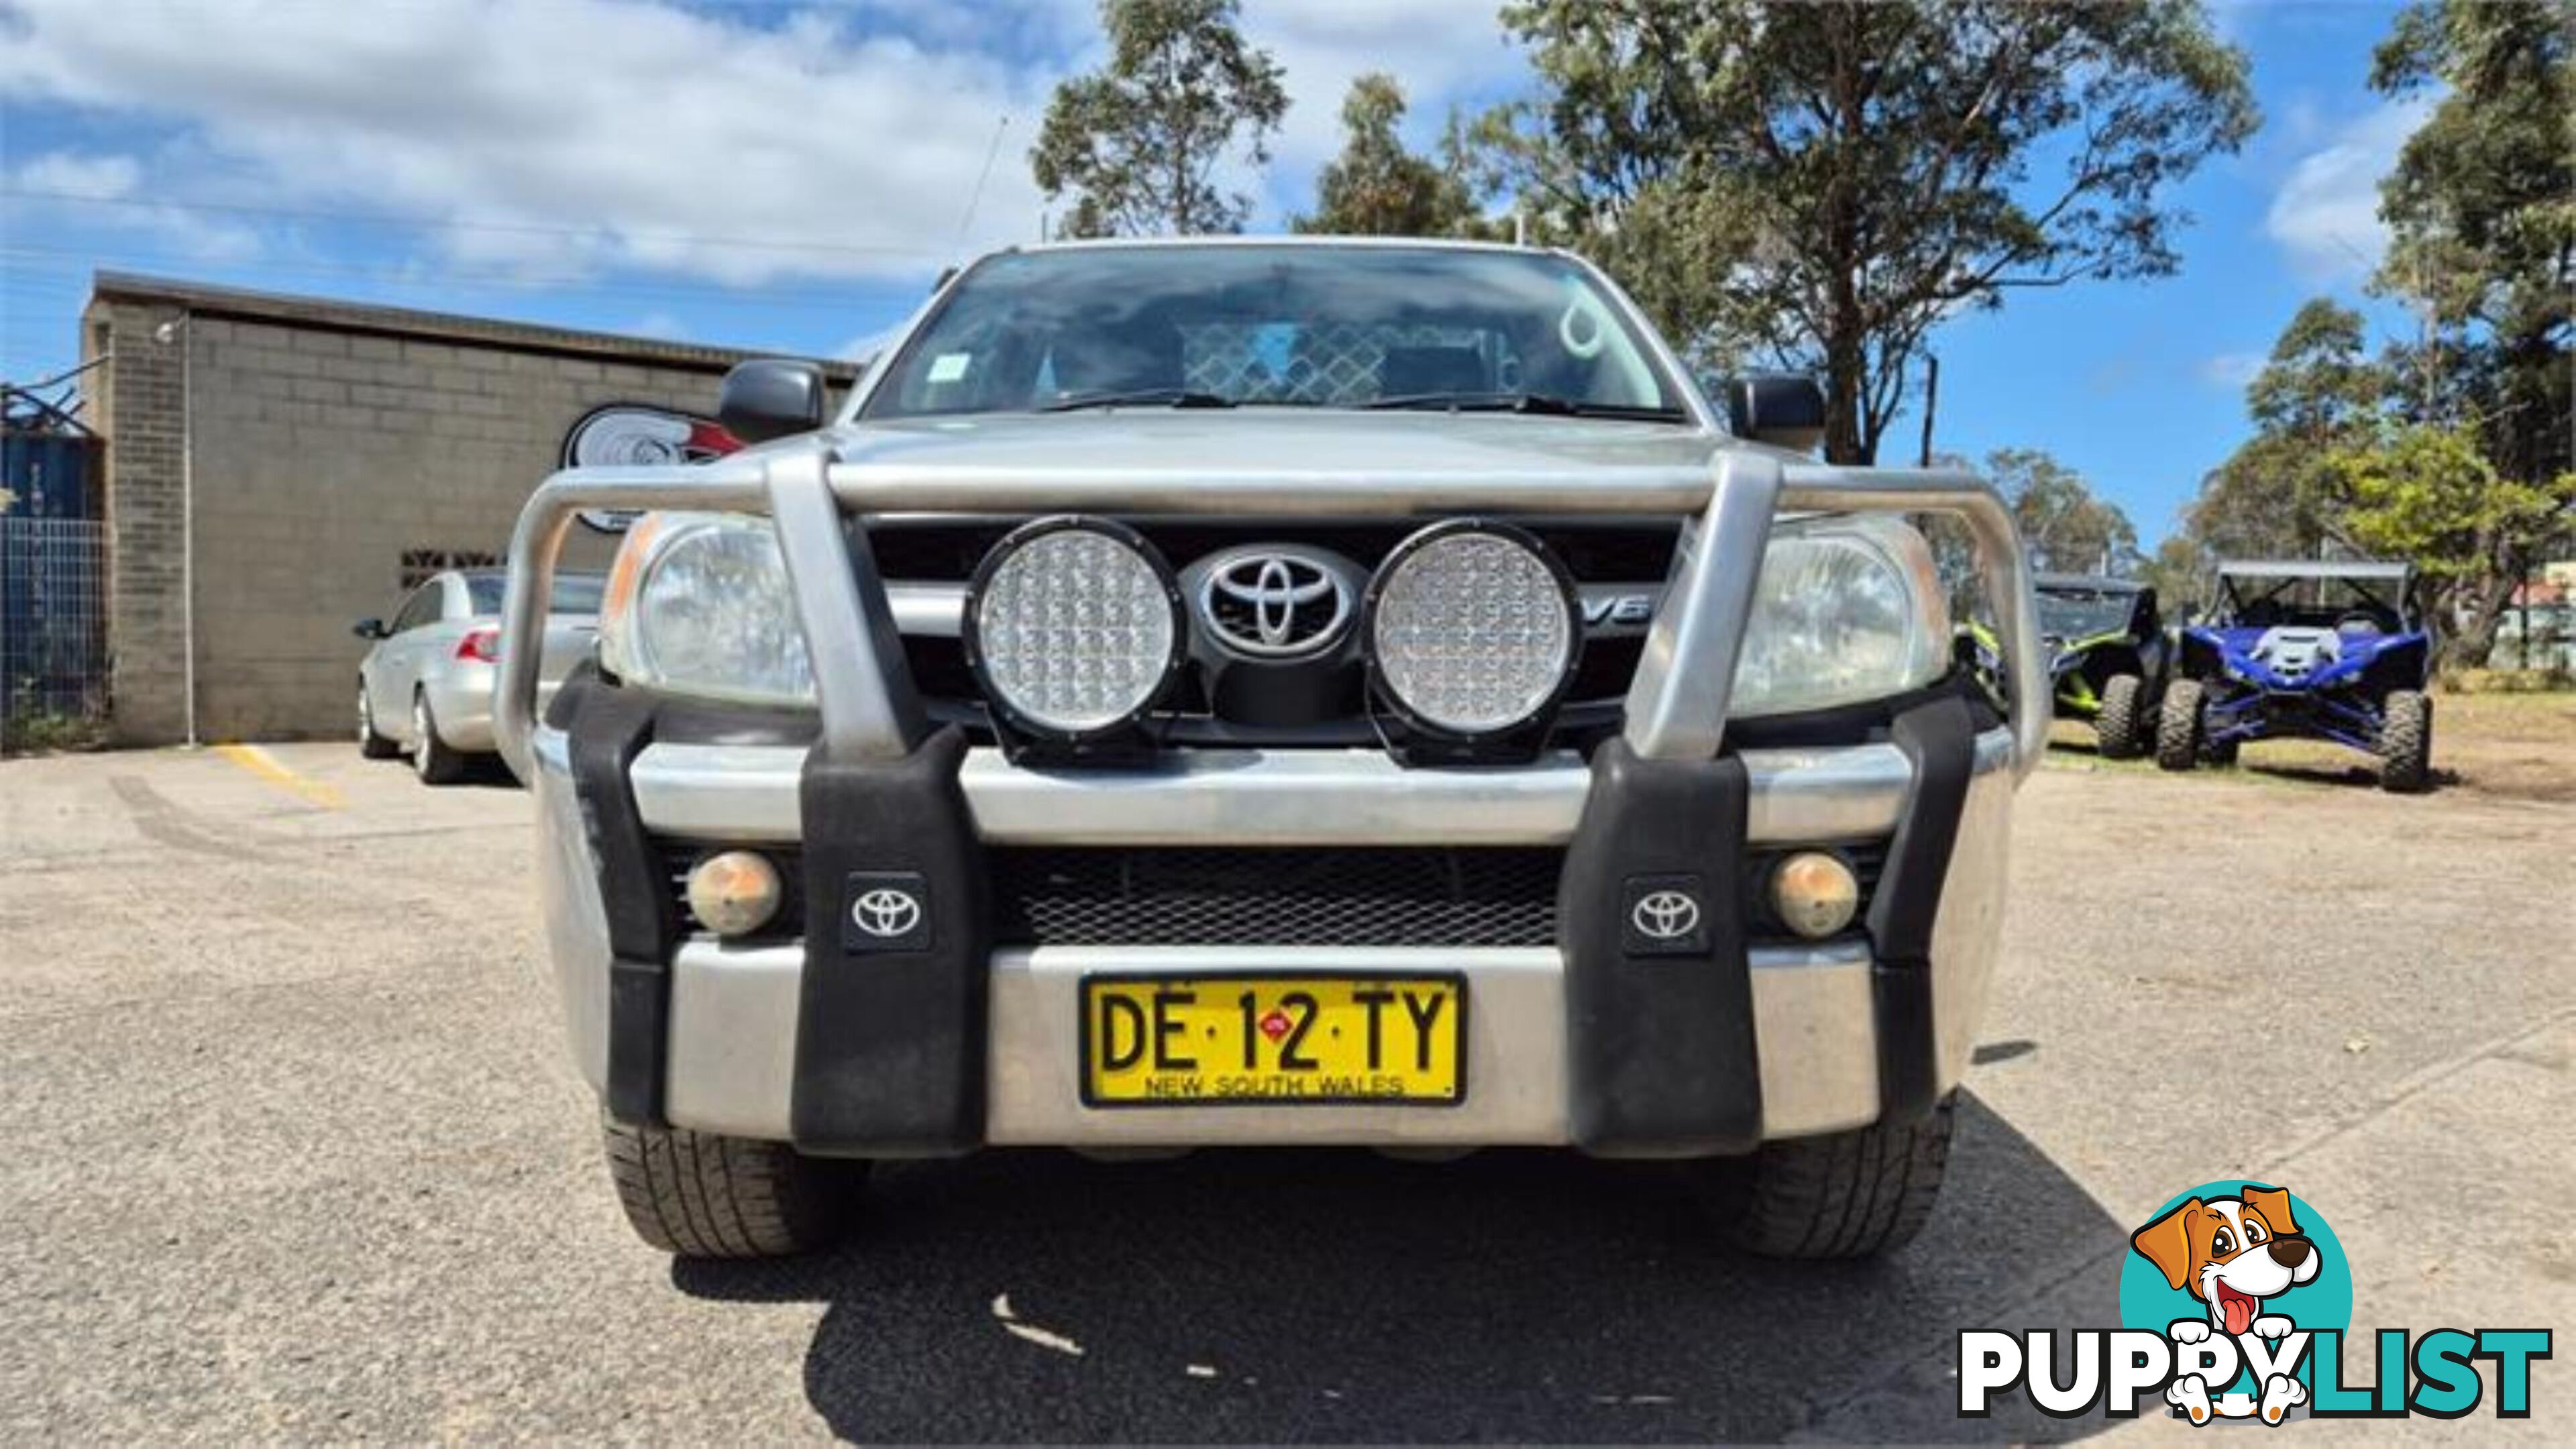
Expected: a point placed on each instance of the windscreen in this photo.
(574, 593)
(2082, 613)
(2320, 602)
(1315, 326)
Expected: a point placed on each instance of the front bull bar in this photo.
(1677, 703)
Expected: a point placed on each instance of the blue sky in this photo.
(791, 176)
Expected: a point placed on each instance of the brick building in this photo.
(303, 462)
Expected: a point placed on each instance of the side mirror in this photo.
(370, 629)
(1784, 409)
(770, 398)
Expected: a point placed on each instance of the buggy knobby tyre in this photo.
(2406, 742)
(1850, 1194)
(700, 1195)
(2123, 727)
(2178, 727)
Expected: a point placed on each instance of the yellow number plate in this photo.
(1197, 1041)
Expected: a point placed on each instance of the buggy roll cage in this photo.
(2274, 579)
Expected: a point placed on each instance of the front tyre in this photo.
(2122, 727)
(1854, 1194)
(2178, 728)
(2406, 743)
(700, 1195)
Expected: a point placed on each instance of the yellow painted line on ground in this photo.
(268, 767)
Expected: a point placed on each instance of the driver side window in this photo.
(423, 607)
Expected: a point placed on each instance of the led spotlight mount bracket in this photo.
(1125, 739)
(1416, 740)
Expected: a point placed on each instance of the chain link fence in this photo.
(53, 632)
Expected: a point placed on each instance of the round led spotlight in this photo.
(1473, 631)
(1073, 628)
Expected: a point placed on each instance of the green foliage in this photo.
(2453, 451)
(2064, 525)
(2482, 215)
(2319, 391)
(1378, 188)
(2180, 570)
(2430, 494)
(1136, 144)
(1821, 185)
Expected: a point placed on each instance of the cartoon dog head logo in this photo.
(2231, 1253)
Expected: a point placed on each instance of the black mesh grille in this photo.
(1269, 897)
(1275, 897)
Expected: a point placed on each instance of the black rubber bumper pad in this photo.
(1939, 740)
(1661, 1056)
(890, 1034)
(607, 729)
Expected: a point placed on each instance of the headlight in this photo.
(699, 603)
(1847, 610)
(1073, 627)
(1472, 629)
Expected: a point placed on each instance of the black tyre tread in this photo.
(2178, 735)
(2119, 728)
(1851, 1194)
(702, 1195)
(436, 764)
(2406, 742)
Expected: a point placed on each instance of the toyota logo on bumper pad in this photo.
(1666, 915)
(885, 911)
(1663, 915)
(1273, 602)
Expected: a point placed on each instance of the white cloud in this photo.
(101, 191)
(559, 139)
(68, 174)
(660, 325)
(2231, 369)
(574, 133)
(1439, 50)
(2326, 214)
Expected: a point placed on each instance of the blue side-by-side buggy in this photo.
(2306, 650)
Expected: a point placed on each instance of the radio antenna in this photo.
(975, 198)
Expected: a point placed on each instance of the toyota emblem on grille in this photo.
(1274, 602)
(886, 912)
(1665, 916)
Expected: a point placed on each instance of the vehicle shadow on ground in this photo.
(2339, 777)
(1295, 1295)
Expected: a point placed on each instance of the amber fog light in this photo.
(734, 893)
(1814, 894)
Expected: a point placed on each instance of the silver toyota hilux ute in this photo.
(1259, 691)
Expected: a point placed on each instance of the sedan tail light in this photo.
(481, 644)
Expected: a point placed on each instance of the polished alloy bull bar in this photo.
(1677, 702)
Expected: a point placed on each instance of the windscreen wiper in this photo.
(1142, 397)
(1520, 402)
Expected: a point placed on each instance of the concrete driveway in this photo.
(298, 1156)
